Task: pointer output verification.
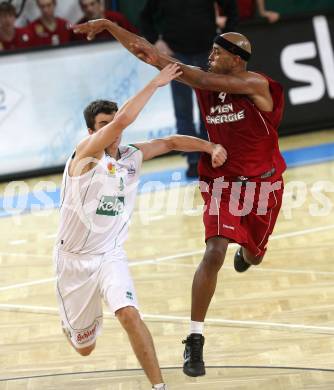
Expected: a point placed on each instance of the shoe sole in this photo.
(192, 374)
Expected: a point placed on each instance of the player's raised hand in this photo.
(167, 74)
(218, 156)
(91, 28)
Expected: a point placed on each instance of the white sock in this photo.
(160, 386)
(196, 327)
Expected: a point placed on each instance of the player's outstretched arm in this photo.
(245, 83)
(183, 143)
(137, 45)
(94, 144)
(125, 37)
(248, 84)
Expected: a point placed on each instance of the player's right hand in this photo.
(91, 28)
(169, 73)
(218, 156)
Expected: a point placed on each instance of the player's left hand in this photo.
(167, 74)
(218, 155)
(91, 28)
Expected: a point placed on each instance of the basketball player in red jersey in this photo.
(242, 111)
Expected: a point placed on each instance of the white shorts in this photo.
(82, 280)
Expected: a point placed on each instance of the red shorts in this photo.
(245, 213)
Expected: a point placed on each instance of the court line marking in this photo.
(256, 269)
(301, 232)
(20, 254)
(134, 370)
(17, 242)
(50, 236)
(193, 253)
(27, 284)
(179, 319)
(275, 237)
(233, 245)
(226, 267)
(157, 217)
(229, 381)
(213, 321)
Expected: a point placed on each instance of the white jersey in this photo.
(96, 207)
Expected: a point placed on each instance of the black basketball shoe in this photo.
(240, 265)
(193, 355)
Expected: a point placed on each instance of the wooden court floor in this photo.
(271, 328)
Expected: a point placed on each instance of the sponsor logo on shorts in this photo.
(87, 335)
(111, 206)
(129, 295)
(228, 227)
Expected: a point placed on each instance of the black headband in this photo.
(232, 48)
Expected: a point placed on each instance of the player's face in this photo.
(91, 8)
(47, 7)
(7, 21)
(220, 60)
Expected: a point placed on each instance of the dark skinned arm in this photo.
(245, 83)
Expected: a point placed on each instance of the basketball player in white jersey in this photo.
(98, 196)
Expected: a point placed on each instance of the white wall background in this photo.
(43, 94)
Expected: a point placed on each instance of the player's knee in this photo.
(129, 317)
(214, 257)
(86, 351)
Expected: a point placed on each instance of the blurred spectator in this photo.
(12, 38)
(248, 8)
(49, 29)
(93, 9)
(185, 29)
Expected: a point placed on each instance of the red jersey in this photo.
(43, 36)
(246, 9)
(116, 17)
(248, 134)
(22, 40)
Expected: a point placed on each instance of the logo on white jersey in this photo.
(131, 169)
(111, 206)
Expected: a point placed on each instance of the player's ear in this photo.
(240, 61)
(91, 131)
